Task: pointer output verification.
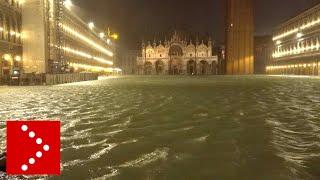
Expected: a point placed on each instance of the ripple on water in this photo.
(103, 151)
(215, 126)
(143, 160)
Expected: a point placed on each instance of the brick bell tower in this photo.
(239, 37)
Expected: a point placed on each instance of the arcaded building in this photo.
(296, 45)
(10, 38)
(177, 56)
(57, 41)
(239, 37)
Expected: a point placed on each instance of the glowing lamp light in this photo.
(91, 25)
(18, 58)
(299, 35)
(278, 42)
(21, 1)
(86, 39)
(68, 4)
(115, 36)
(108, 41)
(1, 29)
(102, 35)
(7, 57)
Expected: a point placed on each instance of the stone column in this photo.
(184, 67)
(198, 68)
(166, 67)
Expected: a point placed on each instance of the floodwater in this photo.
(165, 127)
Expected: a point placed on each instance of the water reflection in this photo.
(179, 127)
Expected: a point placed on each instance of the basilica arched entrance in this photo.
(159, 67)
(204, 68)
(191, 67)
(175, 63)
(175, 51)
(175, 67)
(148, 68)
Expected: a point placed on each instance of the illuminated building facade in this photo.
(262, 53)
(177, 56)
(239, 37)
(296, 45)
(55, 40)
(10, 38)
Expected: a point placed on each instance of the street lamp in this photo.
(102, 35)
(18, 58)
(7, 57)
(91, 25)
(115, 36)
(108, 41)
(299, 35)
(68, 4)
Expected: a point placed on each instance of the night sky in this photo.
(138, 19)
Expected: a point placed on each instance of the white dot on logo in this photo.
(39, 154)
(46, 147)
(32, 134)
(24, 128)
(24, 167)
(32, 161)
(39, 141)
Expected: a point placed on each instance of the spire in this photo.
(174, 37)
(154, 42)
(197, 41)
(165, 41)
(210, 42)
(143, 44)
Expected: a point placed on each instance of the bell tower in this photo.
(239, 37)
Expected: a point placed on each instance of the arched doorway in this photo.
(159, 67)
(148, 68)
(204, 67)
(191, 67)
(175, 51)
(6, 66)
(175, 63)
(175, 67)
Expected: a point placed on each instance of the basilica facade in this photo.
(177, 56)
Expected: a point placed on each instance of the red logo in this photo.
(33, 147)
